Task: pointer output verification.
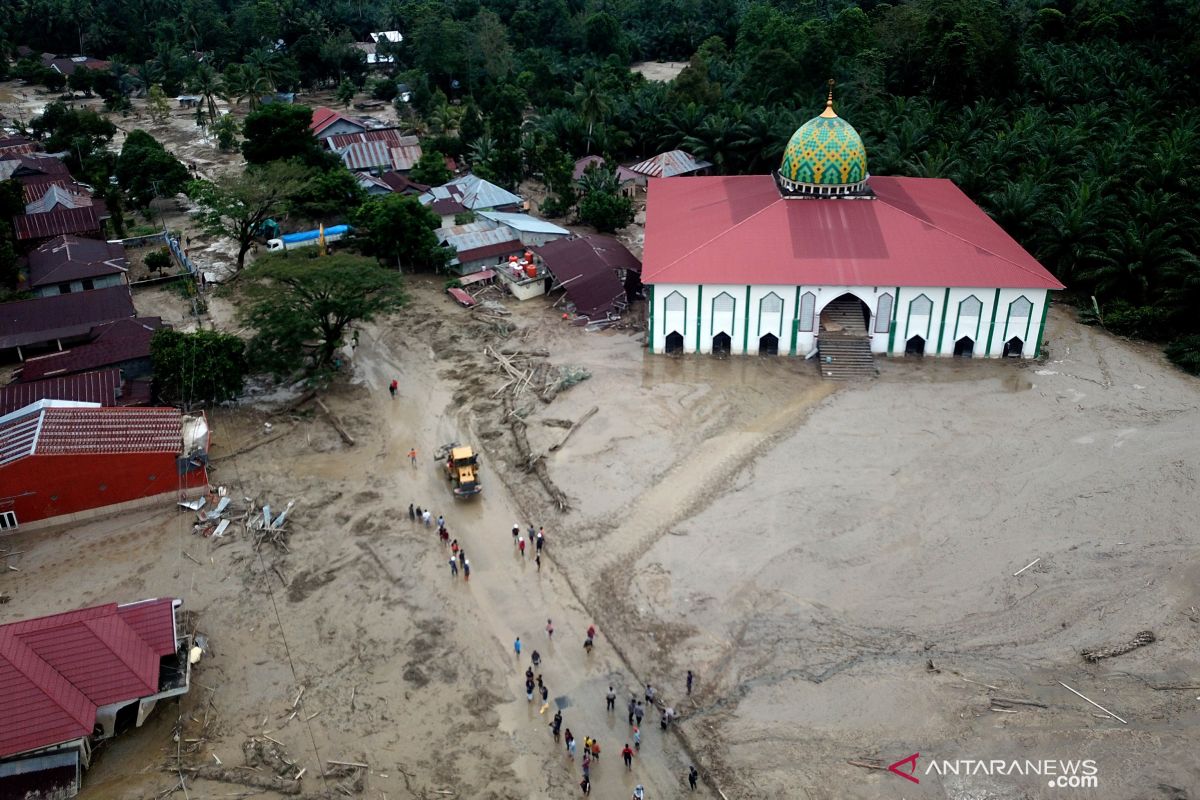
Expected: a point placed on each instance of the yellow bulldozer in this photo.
(462, 468)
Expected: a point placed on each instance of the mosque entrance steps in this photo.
(843, 357)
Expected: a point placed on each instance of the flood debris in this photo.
(1094, 654)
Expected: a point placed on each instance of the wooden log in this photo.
(1016, 702)
(336, 423)
(222, 775)
(575, 427)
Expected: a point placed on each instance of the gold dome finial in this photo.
(829, 112)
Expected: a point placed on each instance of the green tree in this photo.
(398, 230)
(157, 105)
(145, 169)
(226, 129)
(328, 194)
(430, 169)
(300, 307)
(82, 80)
(345, 92)
(81, 133)
(204, 367)
(206, 83)
(279, 131)
(602, 205)
(592, 102)
(237, 205)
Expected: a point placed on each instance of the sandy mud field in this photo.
(835, 562)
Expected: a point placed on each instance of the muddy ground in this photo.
(834, 561)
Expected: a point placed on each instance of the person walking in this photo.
(586, 763)
(536, 658)
(693, 776)
(462, 556)
(427, 518)
(586, 784)
(610, 700)
(521, 545)
(556, 725)
(649, 694)
(587, 749)
(690, 678)
(420, 514)
(540, 541)
(632, 708)
(516, 532)
(538, 560)
(639, 792)
(545, 693)
(466, 570)
(570, 744)
(441, 522)
(393, 386)
(412, 514)
(531, 531)
(453, 567)
(454, 548)
(591, 632)
(550, 628)
(587, 645)
(529, 689)
(517, 646)
(637, 715)
(627, 755)
(637, 738)
(595, 749)
(412, 456)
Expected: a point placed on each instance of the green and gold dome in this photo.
(825, 158)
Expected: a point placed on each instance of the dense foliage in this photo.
(301, 305)
(1073, 122)
(399, 231)
(203, 367)
(145, 169)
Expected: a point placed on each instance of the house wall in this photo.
(102, 282)
(340, 126)
(43, 487)
(947, 320)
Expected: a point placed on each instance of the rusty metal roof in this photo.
(102, 386)
(669, 164)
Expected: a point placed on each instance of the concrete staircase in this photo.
(844, 351)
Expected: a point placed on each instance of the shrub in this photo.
(158, 260)
(1184, 352)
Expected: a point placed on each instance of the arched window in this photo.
(971, 307)
(808, 303)
(770, 315)
(970, 313)
(1019, 312)
(723, 306)
(920, 310)
(883, 313)
(920, 306)
(675, 313)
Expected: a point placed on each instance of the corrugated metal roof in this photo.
(95, 431)
(342, 140)
(63, 316)
(101, 386)
(56, 670)
(472, 192)
(479, 240)
(68, 258)
(367, 155)
(587, 268)
(56, 194)
(111, 344)
(669, 164)
(406, 156)
(917, 232)
(58, 221)
(524, 222)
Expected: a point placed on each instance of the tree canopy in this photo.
(145, 169)
(280, 131)
(398, 230)
(204, 367)
(301, 306)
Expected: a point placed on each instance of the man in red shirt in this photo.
(627, 754)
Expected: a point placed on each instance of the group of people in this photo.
(458, 555)
(536, 540)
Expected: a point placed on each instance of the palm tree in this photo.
(681, 123)
(207, 83)
(714, 141)
(266, 64)
(1016, 206)
(1073, 229)
(593, 103)
(1135, 259)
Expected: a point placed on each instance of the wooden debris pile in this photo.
(526, 371)
(267, 528)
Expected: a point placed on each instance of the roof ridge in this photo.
(116, 624)
(963, 239)
(711, 239)
(13, 649)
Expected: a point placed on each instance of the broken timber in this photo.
(336, 423)
(574, 428)
(535, 464)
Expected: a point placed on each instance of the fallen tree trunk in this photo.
(246, 778)
(336, 423)
(533, 463)
(575, 427)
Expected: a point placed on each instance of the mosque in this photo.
(822, 257)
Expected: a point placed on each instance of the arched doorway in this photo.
(1013, 347)
(722, 344)
(964, 347)
(768, 345)
(846, 314)
(915, 346)
(674, 343)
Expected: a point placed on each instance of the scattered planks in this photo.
(575, 427)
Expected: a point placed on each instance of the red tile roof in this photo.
(112, 343)
(60, 220)
(101, 386)
(64, 316)
(321, 118)
(56, 670)
(917, 232)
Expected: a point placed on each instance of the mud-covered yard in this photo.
(835, 562)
